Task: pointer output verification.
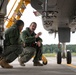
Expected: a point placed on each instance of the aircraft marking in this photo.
(71, 65)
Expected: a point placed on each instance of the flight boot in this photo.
(20, 62)
(37, 64)
(4, 64)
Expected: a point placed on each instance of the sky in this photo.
(28, 17)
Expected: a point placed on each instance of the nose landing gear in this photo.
(64, 54)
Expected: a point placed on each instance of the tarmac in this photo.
(52, 68)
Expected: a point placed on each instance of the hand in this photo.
(38, 34)
(39, 43)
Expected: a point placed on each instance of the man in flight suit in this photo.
(12, 45)
(32, 46)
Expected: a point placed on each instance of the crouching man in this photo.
(32, 46)
(12, 46)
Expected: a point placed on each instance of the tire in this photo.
(59, 59)
(44, 60)
(69, 57)
(45, 63)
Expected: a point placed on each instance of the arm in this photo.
(27, 38)
(39, 39)
(14, 36)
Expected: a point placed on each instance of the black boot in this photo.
(37, 64)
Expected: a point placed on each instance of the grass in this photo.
(54, 54)
(73, 54)
(50, 54)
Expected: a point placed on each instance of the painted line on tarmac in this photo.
(71, 65)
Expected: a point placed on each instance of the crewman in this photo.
(32, 46)
(12, 44)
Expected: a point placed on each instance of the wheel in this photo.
(59, 59)
(69, 57)
(44, 60)
(45, 63)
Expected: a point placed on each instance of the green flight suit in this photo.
(12, 45)
(30, 48)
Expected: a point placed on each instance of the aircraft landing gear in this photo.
(64, 54)
(68, 58)
(59, 59)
